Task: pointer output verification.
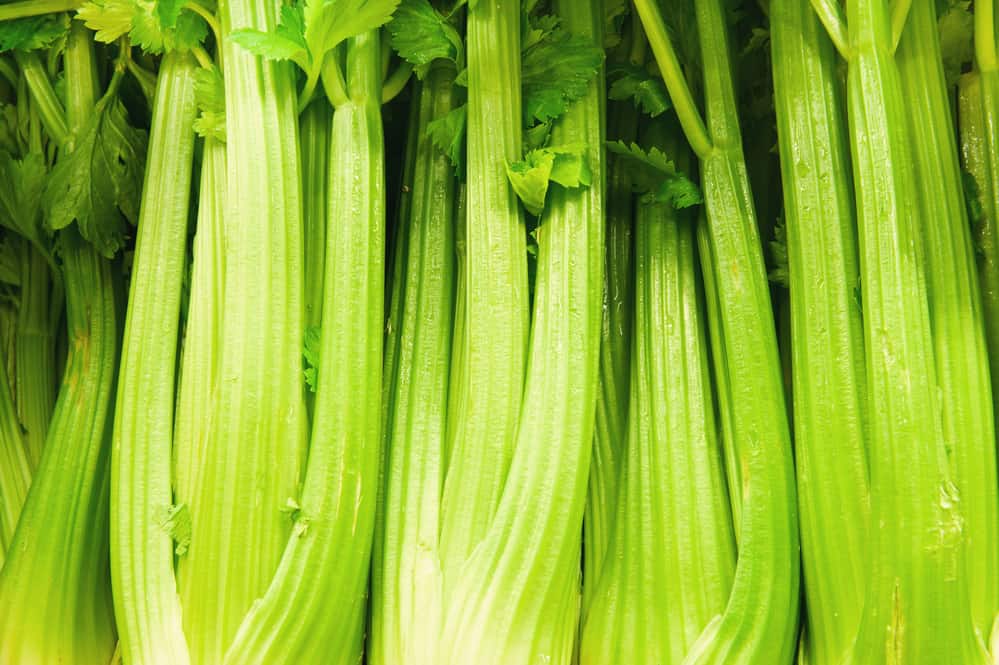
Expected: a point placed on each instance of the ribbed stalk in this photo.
(315, 607)
(913, 611)
(518, 598)
(314, 130)
(495, 294)
(203, 345)
(956, 317)
(55, 592)
(759, 623)
(611, 423)
(253, 458)
(34, 368)
(406, 589)
(979, 122)
(672, 554)
(147, 607)
(827, 344)
(15, 471)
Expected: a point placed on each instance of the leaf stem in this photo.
(985, 36)
(899, 15)
(50, 109)
(208, 16)
(396, 82)
(26, 8)
(676, 83)
(830, 13)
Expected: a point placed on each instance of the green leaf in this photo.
(330, 22)
(36, 32)
(310, 352)
(615, 12)
(636, 83)
(110, 19)
(287, 42)
(779, 274)
(565, 165)
(98, 185)
(176, 522)
(209, 92)
(448, 135)
(420, 35)
(656, 176)
(163, 25)
(956, 25)
(22, 183)
(557, 68)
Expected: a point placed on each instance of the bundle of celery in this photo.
(506, 332)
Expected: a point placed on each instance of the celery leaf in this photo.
(564, 165)
(420, 35)
(448, 135)
(636, 83)
(155, 27)
(35, 32)
(330, 22)
(557, 68)
(287, 42)
(656, 176)
(100, 181)
(22, 183)
(209, 92)
(310, 352)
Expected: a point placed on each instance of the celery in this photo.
(494, 297)
(916, 533)
(252, 460)
(955, 304)
(314, 130)
(671, 558)
(406, 581)
(15, 472)
(517, 598)
(143, 518)
(314, 608)
(830, 393)
(759, 622)
(61, 538)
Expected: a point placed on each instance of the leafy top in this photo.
(155, 26)
(656, 176)
(35, 32)
(420, 35)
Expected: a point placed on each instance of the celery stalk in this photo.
(315, 607)
(252, 460)
(517, 598)
(406, 581)
(759, 622)
(827, 346)
(494, 299)
(314, 129)
(956, 314)
(672, 555)
(147, 607)
(61, 537)
(15, 471)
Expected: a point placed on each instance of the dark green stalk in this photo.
(15, 471)
(827, 345)
(315, 607)
(314, 129)
(61, 541)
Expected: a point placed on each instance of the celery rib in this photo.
(517, 599)
(956, 315)
(829, 374)
(610, 426)
(147, 606)
(495, 294)
(257, 437)
(61, 540)
(672, 556)
(406, 590)
(314, 129)
(15, 471)
(315, 607)
(915, 534)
